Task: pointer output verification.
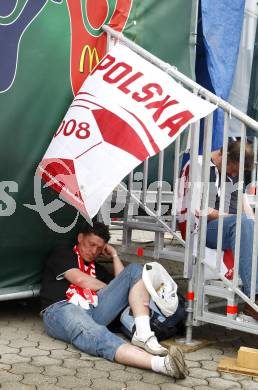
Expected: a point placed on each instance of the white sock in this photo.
(158, 364)
(143, 330)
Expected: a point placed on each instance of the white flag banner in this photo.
(126, 110)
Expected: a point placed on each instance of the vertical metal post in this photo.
(189, 242)
(254, 170)
(189, 320)
(208, 123)
(222, 192)
(159, 236)
(239, 207)
(175, 183)
(145, 181)
(111, 41)
(127, 231)
(160, 180)
(255, 239)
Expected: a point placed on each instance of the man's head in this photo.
(92, 240)
(233, 158)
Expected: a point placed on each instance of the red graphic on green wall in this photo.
(11, 35)
(88, 41)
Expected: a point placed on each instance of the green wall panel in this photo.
(34, 103)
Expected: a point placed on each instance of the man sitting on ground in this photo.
(78, 302)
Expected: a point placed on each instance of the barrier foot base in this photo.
(191, 346)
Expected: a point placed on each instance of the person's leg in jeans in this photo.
(115, 297)
(128, 288)
(86, 329)
(228, 242)
(75, 325)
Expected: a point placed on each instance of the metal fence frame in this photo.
(199, 290)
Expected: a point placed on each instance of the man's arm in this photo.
(247, 208)
(79, 278)
(214, 214)
(117, 264)
(109, 251)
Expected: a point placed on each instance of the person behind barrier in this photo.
(79, 301)
(230, 210)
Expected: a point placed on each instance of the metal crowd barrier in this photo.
(200, 291)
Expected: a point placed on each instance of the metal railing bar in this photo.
(238, 291)
(254, 170)
(239, 206)
(189, 243)
(222, 191)
(195, 274)
(145, 180)
(255, 249)
(160, 178)
(172, 71)
(219, 319)
(152, 214)
(175, 183)
(127, 234)
(207, 142)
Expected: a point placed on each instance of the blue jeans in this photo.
(86, 329)
(228, 242)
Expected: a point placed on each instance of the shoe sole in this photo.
(142, 345)
(177, 359)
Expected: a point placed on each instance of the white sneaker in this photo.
(174, 363)
(150, 345)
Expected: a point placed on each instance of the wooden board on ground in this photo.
(248, 357)
(228, 364)
(194, 346)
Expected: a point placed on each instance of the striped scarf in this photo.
(78, 295)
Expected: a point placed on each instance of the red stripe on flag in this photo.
(152, 142)
(119, 133)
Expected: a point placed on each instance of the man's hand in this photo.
(214, 214)
(109, 251)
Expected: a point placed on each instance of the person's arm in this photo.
(79, 278)
(117, 264)
(247, 208)
(109, 251)
(214, 214)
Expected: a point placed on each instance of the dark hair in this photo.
(234, 154)
(98, 228)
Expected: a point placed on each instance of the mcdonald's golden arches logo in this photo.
(92, 55)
